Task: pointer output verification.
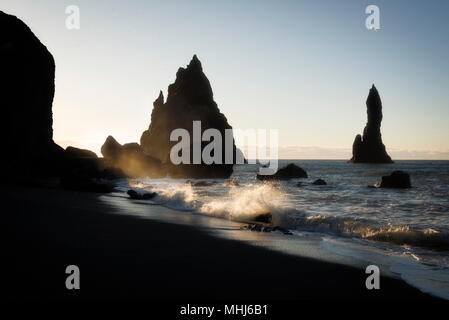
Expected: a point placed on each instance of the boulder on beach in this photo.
(320, 182)
(369, 148)
(189, 99)
(290, 171)
(131, 159)
(26, 96)
(397, 179)
(141, 196)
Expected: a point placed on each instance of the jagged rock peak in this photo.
(159, 102)
(189, 99)
(192, 84)
(195, 64)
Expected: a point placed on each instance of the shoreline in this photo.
(123, 256)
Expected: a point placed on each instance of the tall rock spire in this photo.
(189, 99)
(369, 148)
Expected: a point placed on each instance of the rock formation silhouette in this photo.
(189, 99)
(369, 148)
(131, 159)
(397, 179)
(26, 94)
(27, 88)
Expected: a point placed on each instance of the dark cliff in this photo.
(26, 97)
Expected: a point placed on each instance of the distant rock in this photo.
(73, 152)
(26, 96)
(131, 159)
(190, 98)
(290, 171)
(319, 182)
(369, 148)
(397, 179)
(141, 196)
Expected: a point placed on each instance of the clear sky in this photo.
(303, 67)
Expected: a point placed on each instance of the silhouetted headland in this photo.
(369, 148)
(27, 86)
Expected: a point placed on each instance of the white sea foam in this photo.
(245, 203)
(415, 220)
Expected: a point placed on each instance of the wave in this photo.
(244, 203)
(371, 230)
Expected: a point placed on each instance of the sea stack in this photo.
(369, 148)
(189, 99)
(26, 93)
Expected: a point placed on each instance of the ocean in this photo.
(405, 232)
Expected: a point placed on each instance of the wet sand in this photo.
(121, 256)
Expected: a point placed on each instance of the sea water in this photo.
(404, 231)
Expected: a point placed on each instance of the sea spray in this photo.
(245, 203)
(179, 197)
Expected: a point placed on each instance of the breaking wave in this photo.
(245, 203)
(371, 230)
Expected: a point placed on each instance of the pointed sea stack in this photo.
(369, 148)
(189, 99)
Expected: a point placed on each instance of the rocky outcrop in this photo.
(189, 99)
(131, 158)
(290, 171)
(319, 182)
(141, 196)
(73, 152)
(369, 148)
(26, 97)
(397, 179)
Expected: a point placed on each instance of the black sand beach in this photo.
(120, 256)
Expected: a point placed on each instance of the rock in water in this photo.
(141, 196)
(131, 159)
(370, 148)
(397, 179)
(26, 93)
(189, 99)
(290, 171)
(320, 182)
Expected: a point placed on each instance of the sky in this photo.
(302, 67)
